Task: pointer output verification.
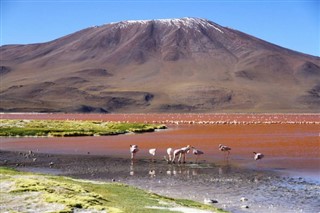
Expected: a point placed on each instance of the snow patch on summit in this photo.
(217, 28)
(179, 22)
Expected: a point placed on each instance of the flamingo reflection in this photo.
(131, 168)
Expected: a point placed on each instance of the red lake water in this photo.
(290, 142)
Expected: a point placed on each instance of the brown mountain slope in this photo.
(172, 65)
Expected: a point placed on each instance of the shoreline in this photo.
(225, 183)
(310, 174)
(180, 118)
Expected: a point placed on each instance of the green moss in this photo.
(112, 197)
(72, 195)
(7, 171)
(65, 128)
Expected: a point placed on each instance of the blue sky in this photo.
(293, 24)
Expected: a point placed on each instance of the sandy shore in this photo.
(266, 191)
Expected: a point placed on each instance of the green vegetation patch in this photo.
(66, 194)
(64, 128)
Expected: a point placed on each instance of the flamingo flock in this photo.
(180, 154)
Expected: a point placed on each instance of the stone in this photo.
(209, 201)
(243, 199)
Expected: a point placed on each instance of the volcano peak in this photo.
(162, 65)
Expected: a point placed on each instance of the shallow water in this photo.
(288, 148)
(265, 191)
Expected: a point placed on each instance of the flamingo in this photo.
(197, 153)
(170, 153)
(133, 150)
(258, 156)
(182, 154)
(225, 149)
(153, 153)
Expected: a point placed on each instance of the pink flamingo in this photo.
(182, 154)
(225, 149)
(197, 153)
(153, 153)
(258, 156)
(133, 150)
(170, 154)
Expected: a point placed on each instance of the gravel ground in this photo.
(259, 190)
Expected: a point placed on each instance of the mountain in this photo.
(169, 65)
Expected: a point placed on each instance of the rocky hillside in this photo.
(170, 65)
